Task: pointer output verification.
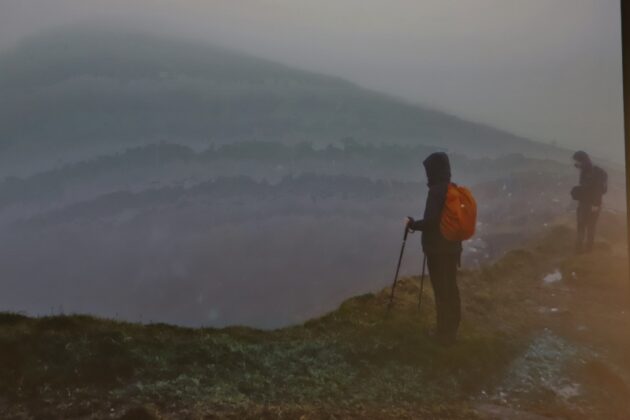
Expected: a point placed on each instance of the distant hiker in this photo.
(593, 185)
(443, 255)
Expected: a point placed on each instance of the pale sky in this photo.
(549, 70)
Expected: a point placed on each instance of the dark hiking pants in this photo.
(443, 274)
(586, 222)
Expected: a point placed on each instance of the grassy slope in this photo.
(353, 362)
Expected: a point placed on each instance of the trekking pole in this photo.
(402, 250)
(424, 264)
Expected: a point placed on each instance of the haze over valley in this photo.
(151, 178)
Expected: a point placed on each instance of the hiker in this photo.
(593, 185)
(443, 255)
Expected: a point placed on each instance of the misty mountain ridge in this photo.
(74, 92)
(156, 167)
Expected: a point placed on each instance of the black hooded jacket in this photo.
(438, 169)
(593, 182)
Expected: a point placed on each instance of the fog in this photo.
(254, 234)
(546, 70)
(236, 162)
(247, 168)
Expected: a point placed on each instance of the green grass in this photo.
(355, 361)
(352, 358)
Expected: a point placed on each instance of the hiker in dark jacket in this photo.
(593, 185)
(443, 256)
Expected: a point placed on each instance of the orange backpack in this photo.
(459, 216)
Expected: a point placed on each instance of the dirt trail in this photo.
(576, 364)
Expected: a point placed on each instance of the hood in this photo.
(438, 168)
(583, 158)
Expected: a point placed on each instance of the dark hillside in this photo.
(73, 92)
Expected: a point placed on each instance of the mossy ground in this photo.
(356, 362)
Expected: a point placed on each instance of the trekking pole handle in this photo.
(407, 228)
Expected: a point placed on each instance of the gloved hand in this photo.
(576, 193)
